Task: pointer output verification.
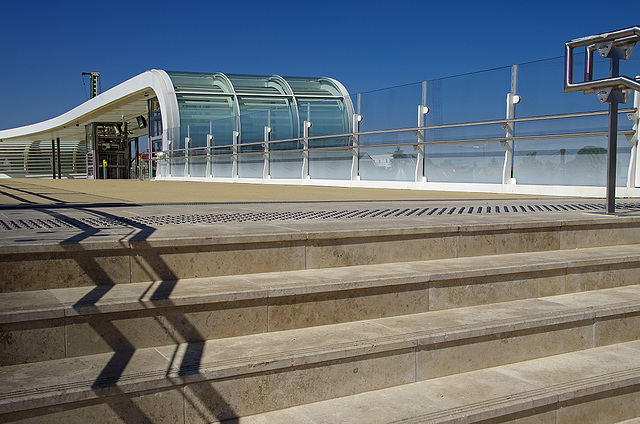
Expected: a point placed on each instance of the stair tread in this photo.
(66, 380)
(58, 303)
(478, 395)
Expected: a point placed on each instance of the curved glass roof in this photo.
(216, 104)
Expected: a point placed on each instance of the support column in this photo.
(53, 159)
(613, 96)
(59, 158)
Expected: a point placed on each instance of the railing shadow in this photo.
(123, 349)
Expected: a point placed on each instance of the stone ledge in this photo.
(536, 390)
(77, 301)
(92, 377)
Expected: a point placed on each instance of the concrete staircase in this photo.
(527, 322)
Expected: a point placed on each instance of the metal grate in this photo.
(379, 213)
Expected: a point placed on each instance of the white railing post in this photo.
(507, 169)
(169, 156)
(208, 169)
(266, 169)
(234, 157)
(187, 168)
(305, 153)
(420, 175)
(355, 151)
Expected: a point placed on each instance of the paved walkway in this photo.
(51, 212)
(24, 191)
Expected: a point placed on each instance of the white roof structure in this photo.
(122, 103)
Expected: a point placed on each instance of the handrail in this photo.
(412, 129)
(427, 127)
(373, 146)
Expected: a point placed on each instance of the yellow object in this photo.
(104, 163)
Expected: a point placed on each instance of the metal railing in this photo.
(170, 163)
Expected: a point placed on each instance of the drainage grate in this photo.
(153, 221)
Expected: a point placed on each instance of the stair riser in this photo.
(72, 265)
(33, 341)
(269, 386)
(167, 407)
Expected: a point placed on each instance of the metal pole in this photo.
(613, 138)
(59, 161)
(611, 156)
(53, 158)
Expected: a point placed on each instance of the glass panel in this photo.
(571, 160)
(313, 86)
(579, 161)
(198, 165)
(387, 163)
(541, 87)
(201, 115)
(261, 84)
(251, 164)
(391, 108)
(256, 113)
(468, 98)
(286, 165)
(466, 157)
(330, 164)
(193, 81)
(221, 163)
(177, 164)
(162, 169)
(328, 116)
(465, 162)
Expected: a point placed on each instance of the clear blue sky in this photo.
(366, 45)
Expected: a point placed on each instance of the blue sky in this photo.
(366, 45)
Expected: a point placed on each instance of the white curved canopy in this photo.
(123, 102)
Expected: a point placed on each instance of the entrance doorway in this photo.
(110, 148)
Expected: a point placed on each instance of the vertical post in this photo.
(234, 151)
(59, 158)
(53, 158)
(127, 146)
(209, 155)
(138, 165)
(187, 146)
(266, 169)
(169, 154)
(419, 174)
(305, 151)
(355, 151)
(150, 147)
(612, 151)
(507, 167)
(509, 127)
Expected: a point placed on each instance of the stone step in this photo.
(595, 386)
(67, 258)
(58, 323)
(239, 376)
